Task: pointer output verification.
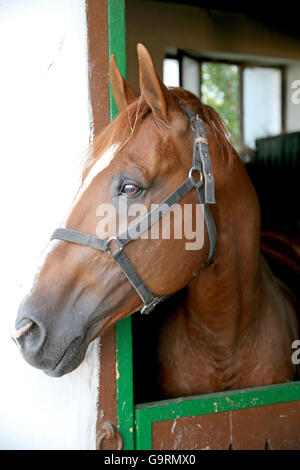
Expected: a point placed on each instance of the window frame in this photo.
(242, 65)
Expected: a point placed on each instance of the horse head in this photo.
(137, 161)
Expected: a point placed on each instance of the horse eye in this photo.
(130, 189)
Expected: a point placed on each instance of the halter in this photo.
(204, 187)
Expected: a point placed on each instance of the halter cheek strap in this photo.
(206, 191)
(204, 186)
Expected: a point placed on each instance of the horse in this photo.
(232, 323)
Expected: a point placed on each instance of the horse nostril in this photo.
(21, 329)
(29, 336)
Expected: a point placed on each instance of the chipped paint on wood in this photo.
(117, 370)
(173, 427)
(149, 413)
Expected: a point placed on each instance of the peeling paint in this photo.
(173, 427)
(229, 401)
(117, 371)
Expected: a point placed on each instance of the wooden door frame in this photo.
(106, 35)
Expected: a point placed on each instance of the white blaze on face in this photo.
(103, 162)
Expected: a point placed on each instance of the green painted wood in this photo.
(124, 382)
(146, 414)
(124, 372)
(116, 41)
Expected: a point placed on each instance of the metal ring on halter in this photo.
(194, 118)
(199, 183)
(108, 243)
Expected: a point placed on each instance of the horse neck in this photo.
(223, 300)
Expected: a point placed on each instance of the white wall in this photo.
(293, 98)
(45, 127)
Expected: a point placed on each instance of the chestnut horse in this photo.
(233, 323)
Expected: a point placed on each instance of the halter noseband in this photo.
(204, 187)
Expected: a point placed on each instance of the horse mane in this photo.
(127, 122)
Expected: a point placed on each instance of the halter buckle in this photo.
(108, 244)
(193, 119)
(148, 308)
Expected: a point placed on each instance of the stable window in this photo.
(248, 97)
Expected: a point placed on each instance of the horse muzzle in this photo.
(31, 338)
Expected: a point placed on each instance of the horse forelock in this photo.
(122, 129)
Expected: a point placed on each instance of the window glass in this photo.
(262, 103)
(191, 75)
(171, 72)
(220, 89)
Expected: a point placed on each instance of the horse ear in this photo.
(154, 91)
(123, 93)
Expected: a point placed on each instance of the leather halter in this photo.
(204, 186)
